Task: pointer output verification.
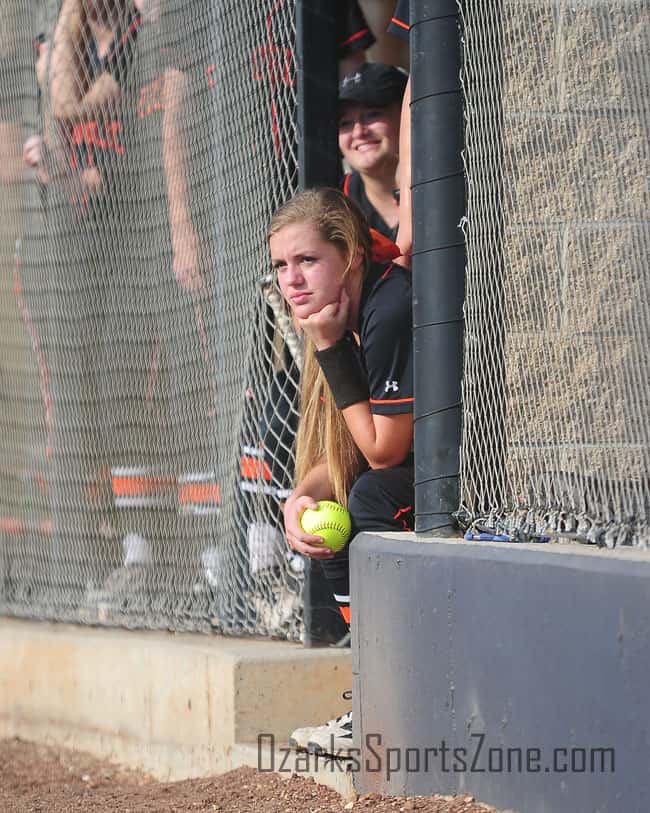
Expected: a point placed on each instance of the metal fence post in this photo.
(318, 165)
(438, 196)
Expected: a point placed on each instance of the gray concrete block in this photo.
(574, 168)
(531, 648)
(529, 42)
(605, 46)
(532, 283)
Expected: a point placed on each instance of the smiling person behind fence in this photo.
(356, 428)
(370, 103)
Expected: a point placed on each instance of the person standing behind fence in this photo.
(370, 100)
(92, 52)
(136, 427)
(356, 426)
(162, 316)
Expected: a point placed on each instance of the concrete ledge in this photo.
(531, 655)
(174, 705)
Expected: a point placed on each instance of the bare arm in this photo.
(72, 97)
(384, 440)
(405, 230)
(184, 239)
(65, 60)
(41, 65)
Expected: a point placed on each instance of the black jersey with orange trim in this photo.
(353, 187)
(352, 31)
(176, 42)
(272, 60)
(386, 338)
(400, 21)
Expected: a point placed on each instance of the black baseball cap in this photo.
(373, 84)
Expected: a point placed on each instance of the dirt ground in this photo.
(37, 779)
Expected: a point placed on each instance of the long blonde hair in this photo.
(323, 433)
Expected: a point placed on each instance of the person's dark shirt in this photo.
(354, 188)
(400, 21)
(352, 31)
(386, 338)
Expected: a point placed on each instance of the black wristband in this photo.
(343, 372)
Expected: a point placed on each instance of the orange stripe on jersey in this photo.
(391, 400)
(354, 37)
(130, 30)
(345, 612)
(199, 493)
(382, 249)
(346, 185)
(401, 23)
(140, 485)
(252, 468)
(399, 515)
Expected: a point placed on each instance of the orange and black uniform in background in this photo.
(273, 66)
(87, 216)
(132, 382)
(161, 371)
(353, 187)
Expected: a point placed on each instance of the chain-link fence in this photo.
(147, 375)
(557, 348)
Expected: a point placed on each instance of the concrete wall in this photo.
(175, 705)
(528, 647)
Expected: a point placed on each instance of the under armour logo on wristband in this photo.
(391, 385)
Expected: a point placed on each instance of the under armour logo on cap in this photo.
(351, 78)
(374, 84)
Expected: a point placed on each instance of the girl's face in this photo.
(369, 137)
(309, 269)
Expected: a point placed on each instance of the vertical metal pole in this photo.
(318, 165)
(438, 197)
(317, 71)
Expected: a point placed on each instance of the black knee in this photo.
(378, 498)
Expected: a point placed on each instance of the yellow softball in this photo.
(330, 521)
